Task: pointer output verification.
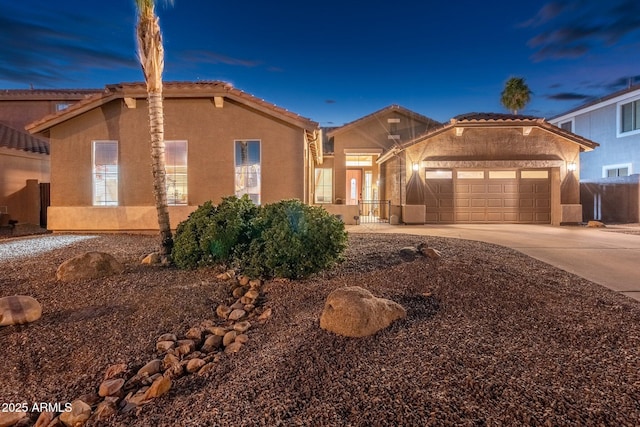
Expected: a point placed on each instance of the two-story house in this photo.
(609, 175)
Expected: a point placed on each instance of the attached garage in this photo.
(488, 168)
(488, 196)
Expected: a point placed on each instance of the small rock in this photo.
(223, 311)
(206, 368)
(79, 414)
(233, 348)
(253, 294)
(159, 387)
(242, 338)
(211, 343)
(243, 280)
(19, 309)
(229, 338)
(194, 365)
(408, 252)
(44, 419)
(238, 292)
(186, 346)
(167, 337)
(218, 330)
(110, 387)
(242, 326)
(237, 314)
(249, 308)
(151, 368)
(115, 370)
(194, 333)
(238, 305)
(255, 283)
(151, 379)
(265, 315)
(8, 419)
(169, 360)
(432, 253)
(246, 300)
(163, 346)
(105, 409)
(152, 258)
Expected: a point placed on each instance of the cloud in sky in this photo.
(574, 28)
(208, 57)
(39, 49)
(569, 96)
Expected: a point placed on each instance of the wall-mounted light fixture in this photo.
(416, 167)
(571, 166)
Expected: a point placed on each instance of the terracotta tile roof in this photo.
(492, 117)
(18, 140)
(200, 89)
(46, 94)
(380, 112)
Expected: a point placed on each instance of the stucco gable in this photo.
(459, 123)
(212, 89)
(378, 115)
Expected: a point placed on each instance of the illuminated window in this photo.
(534, 174)
(323, 185)
(470, 175)
(359, 161)
(438, 174)
(176, 169)
(247, 169)
(105, 173)
(502, 174)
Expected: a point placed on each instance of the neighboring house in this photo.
(609, 175)
(347, 182)
(487, 168)
(220, 141)
(24, 159)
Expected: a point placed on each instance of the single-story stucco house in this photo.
(220, 141)
(487, 168)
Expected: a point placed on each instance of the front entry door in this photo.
(354, 186)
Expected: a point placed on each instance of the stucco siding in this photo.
(16, 167)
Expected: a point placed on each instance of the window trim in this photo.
(572, 120)
(330, 186)
(607, 168)
(94, 202)
(619, 132)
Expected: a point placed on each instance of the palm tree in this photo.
(516, 94)
(151, 55)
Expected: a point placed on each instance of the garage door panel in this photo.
(490, 200)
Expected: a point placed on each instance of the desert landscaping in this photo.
(490, 337)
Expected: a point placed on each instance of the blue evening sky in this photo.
(335, 61)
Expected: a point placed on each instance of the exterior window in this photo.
(62, 106)
(323, 185)
(470, 175)
(502, 174)
(534, 174)
(105, 173)
(613, 171)
(438, 174)
(630, 116)
(358, 161)
(176, 169)
(568, 126)
(247, 169)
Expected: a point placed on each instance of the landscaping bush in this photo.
(213, 234)
(293, 240)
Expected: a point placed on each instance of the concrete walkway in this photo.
(607, 256)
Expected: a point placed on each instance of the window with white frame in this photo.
(323, 185)
(247, 169)
(105, 173)
(568, 125)
(629, 116)
(176, 172)
(612, 171)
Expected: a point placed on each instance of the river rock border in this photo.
(195, 353)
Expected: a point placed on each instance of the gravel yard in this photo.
(492, 337)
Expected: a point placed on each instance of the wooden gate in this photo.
(45, 202)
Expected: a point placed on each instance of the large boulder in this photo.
(356, 312)
(18, 309)
(90, 265)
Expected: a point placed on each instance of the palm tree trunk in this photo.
(156, 131)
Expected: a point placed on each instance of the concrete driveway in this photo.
(607, 256)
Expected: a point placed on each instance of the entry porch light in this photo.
(571, 166)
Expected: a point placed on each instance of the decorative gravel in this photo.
(492, 337)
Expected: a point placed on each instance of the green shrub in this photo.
(187, 252)
(213, 234)
(293, 240)
(229, 231)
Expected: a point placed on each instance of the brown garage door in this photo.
(490, 196)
